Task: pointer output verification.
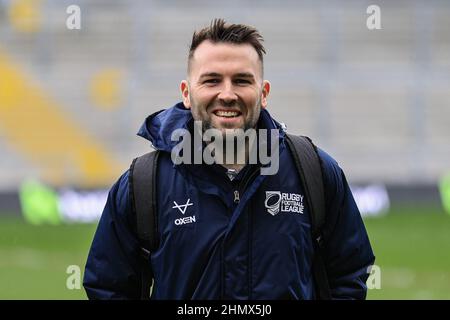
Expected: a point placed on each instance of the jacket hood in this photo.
(158, 127)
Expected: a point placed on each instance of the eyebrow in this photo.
(238, 75)
(210, 74)
(244, 75)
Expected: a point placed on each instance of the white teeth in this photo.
(227, 113)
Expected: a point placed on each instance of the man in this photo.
(220, 236)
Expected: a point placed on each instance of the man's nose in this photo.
(227, 94)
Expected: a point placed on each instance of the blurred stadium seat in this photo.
(376, 100)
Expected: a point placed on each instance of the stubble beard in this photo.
(207, 123)
(228, 133)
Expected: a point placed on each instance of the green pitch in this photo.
(34, 259)
(412, 250)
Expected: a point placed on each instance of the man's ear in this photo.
(265, 93)
(184, 87)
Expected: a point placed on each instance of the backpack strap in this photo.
(309, 169)
(142, 182)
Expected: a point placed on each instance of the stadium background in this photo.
(71, 102)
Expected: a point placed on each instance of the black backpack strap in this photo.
(142, 182)
(309, 169)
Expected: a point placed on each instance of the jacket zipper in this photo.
(249, 243)
(236, 197)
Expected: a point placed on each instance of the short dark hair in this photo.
(220, 31)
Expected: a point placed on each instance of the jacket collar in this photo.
(159, 126)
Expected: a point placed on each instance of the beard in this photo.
(200, 113)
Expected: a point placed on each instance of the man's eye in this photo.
(242, 81)
(212, 81)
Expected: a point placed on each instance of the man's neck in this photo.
(240, 153)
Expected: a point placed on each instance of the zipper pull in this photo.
(236, 196)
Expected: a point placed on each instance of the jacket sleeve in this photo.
(348, 253)
(113, 265)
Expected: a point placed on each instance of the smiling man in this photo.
(227, 230)
(225, 87)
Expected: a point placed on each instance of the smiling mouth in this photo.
(227, 114)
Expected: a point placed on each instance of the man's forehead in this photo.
(210, 56)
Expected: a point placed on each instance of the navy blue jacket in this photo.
(213, 247)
